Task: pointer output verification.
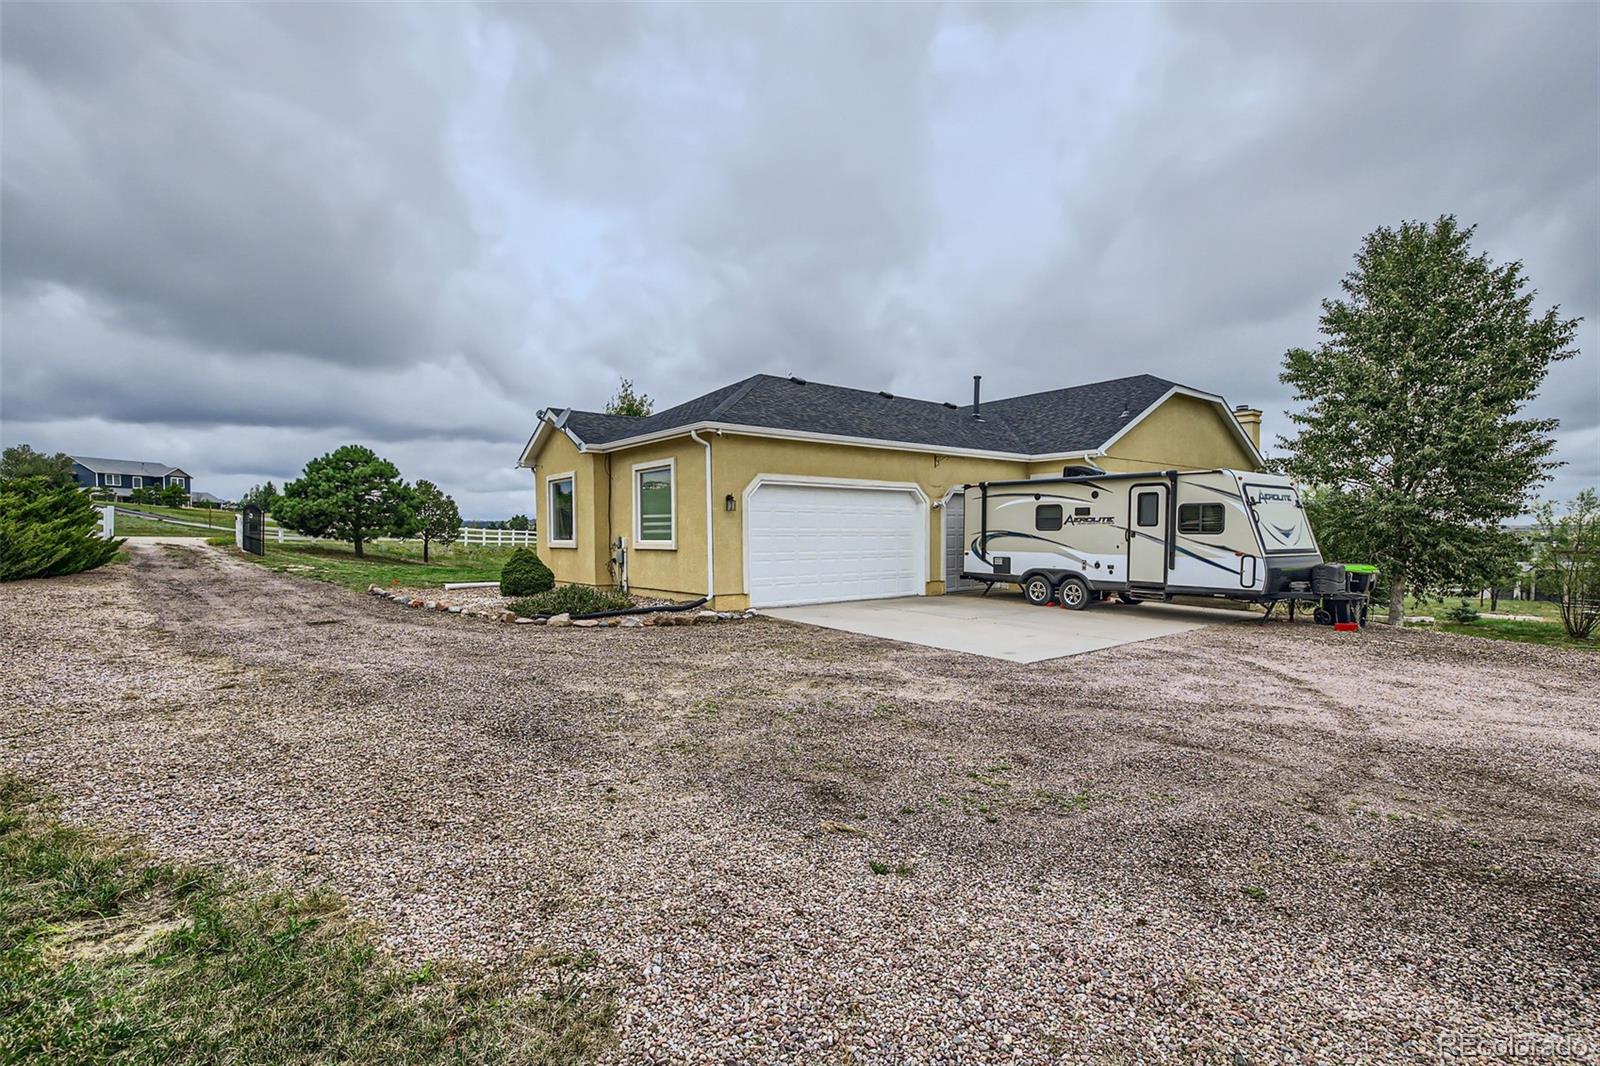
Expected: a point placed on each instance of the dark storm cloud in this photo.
(241, 235)
(244, 178)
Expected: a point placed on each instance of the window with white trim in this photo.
(655, 518)
(113, 479)
(137, 482)
(563, 512)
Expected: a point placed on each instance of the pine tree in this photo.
(437, 516)
(48, 529)
(1412, 429)
(349, 494)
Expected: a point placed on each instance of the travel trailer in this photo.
(1087, 536)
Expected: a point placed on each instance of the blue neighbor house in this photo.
(120, 477)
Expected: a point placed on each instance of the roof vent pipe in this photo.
(976, 413)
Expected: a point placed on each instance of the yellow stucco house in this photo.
(777, 490)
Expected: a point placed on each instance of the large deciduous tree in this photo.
(350, 494)
(438, 519)
(1411, 426)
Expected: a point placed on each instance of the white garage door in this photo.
(817, 544)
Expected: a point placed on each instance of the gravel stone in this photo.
(787, 844)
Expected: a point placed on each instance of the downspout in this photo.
(711, 579)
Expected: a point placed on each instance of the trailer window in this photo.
(1047, 516)
(1200, 517)
(1149, 509)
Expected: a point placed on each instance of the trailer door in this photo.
(1147, 534)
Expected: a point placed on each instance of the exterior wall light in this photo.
(729, 503)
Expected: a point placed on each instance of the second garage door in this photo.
(820, 543)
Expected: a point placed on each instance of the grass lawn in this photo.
(1436, 607)
(1522, 632)
(132, 526)
(107, 955)
(385, 563)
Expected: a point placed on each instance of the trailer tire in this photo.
(1037, 590)
(1074, 593)
(1322, 616)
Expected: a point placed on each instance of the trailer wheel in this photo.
(1322, 616)
(1037, 590)
(1074, 593)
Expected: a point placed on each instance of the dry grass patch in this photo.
(109, 956)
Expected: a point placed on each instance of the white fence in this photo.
(470, 535)
(510, 538)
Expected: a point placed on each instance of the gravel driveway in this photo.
(792, 844)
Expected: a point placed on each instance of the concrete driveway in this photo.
(1003, 625)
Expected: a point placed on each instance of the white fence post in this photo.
(238, 531)
(108, 521)
(280, 534)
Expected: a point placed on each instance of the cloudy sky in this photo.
(235, 237)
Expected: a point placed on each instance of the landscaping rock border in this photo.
(406, 598)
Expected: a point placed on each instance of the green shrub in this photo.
(525, 575)
(572, 599)
(48, 529)
(1462, 614)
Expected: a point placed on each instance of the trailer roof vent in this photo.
(950, 405)
(886, 395)
(797, 380)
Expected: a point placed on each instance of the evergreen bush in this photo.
(48, 529)
(572, 599)
(525, 574)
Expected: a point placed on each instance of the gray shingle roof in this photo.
(127, 466)
(1076, 419)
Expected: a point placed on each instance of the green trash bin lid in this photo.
(1360, 568)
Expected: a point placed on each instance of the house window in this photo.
(1149, 508)
(1200, 517)
(113, 479)
(563, 515)
(654, 525)
(136, 482)
(1047, 516)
